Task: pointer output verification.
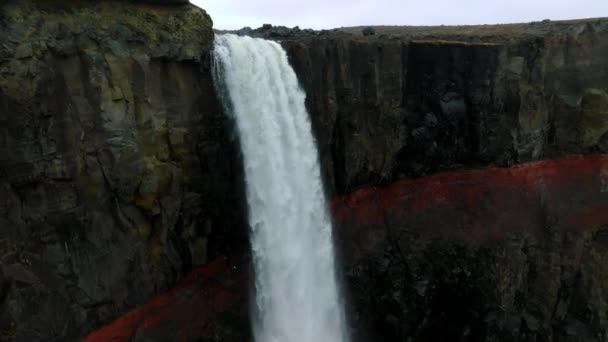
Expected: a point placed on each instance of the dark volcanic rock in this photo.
(207, 305)
(118, 174)
(117, 171)
(491, 255)
(515, 254)
(368, 31)
(500, 95)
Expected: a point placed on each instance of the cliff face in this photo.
(495, 254)
(117, 173)
(488, 255)
(514, 254)
(411, 102)
(472, 254)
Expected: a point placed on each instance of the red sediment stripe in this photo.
(482, 205)
(187, 309)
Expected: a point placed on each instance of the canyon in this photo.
(466, 165)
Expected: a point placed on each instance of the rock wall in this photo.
(514, 254)
(488, 255)
(210, 304)
(494, 254)
(119, 175)
(414, 101)
(117, 169)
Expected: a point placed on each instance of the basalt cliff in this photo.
(466, 167)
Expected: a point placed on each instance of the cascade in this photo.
(296, 293)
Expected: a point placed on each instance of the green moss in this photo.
(182, 22)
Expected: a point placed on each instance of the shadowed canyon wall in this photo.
(119, 175)
(117, 171)
(514, 254)
(489, 255)
(497, 254)
(415, 101)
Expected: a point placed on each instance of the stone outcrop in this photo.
(117, 170)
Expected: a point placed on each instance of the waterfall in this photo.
(297, 297)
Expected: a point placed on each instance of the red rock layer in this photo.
(194, 307)
(477, 207)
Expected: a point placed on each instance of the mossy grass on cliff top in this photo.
(186, 22)
(497, 32)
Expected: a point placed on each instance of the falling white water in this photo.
(296, 292)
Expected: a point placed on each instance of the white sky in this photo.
(326, 14)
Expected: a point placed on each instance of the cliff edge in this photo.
(115, 165)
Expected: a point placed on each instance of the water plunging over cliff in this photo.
(296, 293)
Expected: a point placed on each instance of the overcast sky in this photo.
(320, 14)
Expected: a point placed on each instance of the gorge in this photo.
(465, 170)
